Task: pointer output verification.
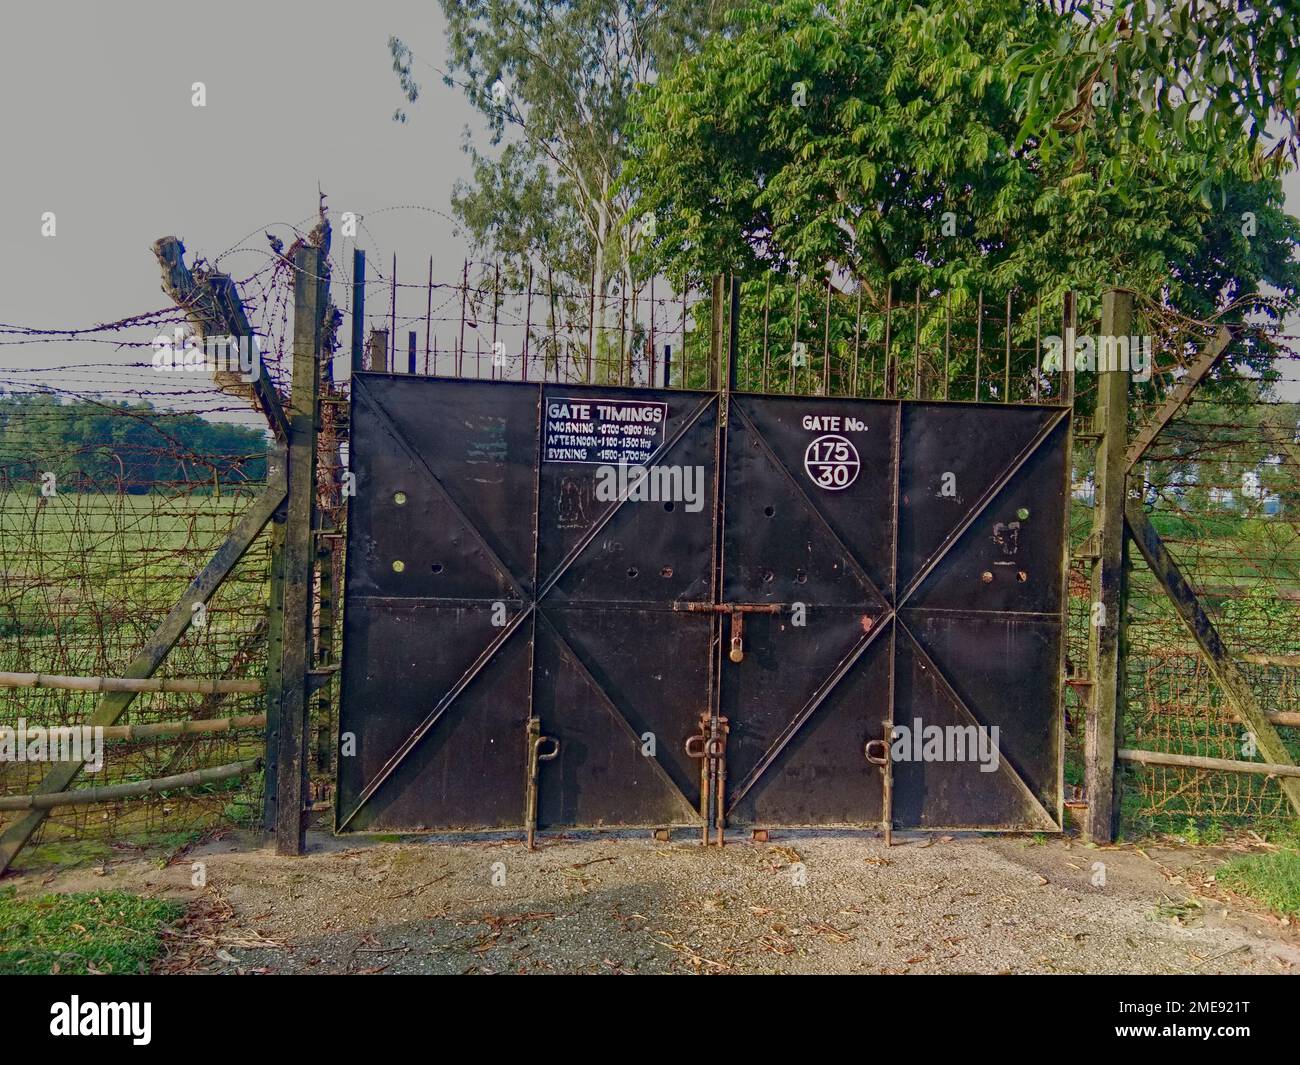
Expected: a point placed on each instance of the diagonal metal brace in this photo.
(1223, 669)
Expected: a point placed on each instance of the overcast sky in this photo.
(97, 125)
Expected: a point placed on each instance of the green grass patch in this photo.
(1273, 879)
(86, 932)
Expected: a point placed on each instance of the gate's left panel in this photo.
(441, 550)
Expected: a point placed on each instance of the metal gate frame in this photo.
(708, 741)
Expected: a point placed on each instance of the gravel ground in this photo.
(802, 903)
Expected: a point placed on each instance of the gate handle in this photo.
(704, 747)
(548, 755)
(881, 758)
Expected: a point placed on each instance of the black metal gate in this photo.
(809, 611)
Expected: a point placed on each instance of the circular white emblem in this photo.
(832, 462)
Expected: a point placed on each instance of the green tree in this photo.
(553, 80)
(1209, 68)
(878, 144)
(880, 139)
(121, 446)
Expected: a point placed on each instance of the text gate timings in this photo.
(526, 647)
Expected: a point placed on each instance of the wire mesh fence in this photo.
(120, 476)
(1221, 482)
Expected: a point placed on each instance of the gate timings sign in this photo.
(609, 431)
(522, 649)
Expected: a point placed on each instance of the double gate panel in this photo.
(530, 640)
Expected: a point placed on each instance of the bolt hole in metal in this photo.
(632, 571)
(768, 576)
(669, 505)
(436, 567)
(769, 511)
(800, 577)
(398, 565)
(667, 571)
(399, 498)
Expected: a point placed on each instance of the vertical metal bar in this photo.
(410, 351)
(668, 366)
(392, 316)
(887, 784)
(428, 322)
(358, 309)
(767, 307)
(733, 339)
(891, 375)
(916, 348)
(979, 341)
(794, 344)
(464, 297)
(555, 324)
(1038, 344)
(591, 326)
(624, 356)
(826, 342)
(534, 737)
(686, 351)
(715, 333)
(947, 344)
(496, 304)
(857, 342)
(651, 378)
(528, 319)
(1006, 366)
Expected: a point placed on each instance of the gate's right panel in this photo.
(981, 555)
(915, 555)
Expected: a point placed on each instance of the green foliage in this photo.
(86, 932)
(1208, 68)
(882, 140)
(134, 446)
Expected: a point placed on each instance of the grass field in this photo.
(108, 932)
(84, 580)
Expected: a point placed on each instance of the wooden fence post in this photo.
(310, 291)
(1105, 720)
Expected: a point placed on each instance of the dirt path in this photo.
(820, 903)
